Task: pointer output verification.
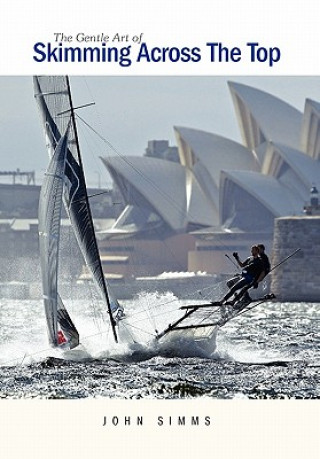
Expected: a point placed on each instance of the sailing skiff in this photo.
(64, 185)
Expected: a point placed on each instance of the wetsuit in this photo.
(266, 263)
(253, 267)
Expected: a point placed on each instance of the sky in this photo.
(129, 111)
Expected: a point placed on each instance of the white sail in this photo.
(54, 100)
(50, 205)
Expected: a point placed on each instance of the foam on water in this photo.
(23, 337)
(147, 315)
(178, 275)
(247, 352)
(248, 357)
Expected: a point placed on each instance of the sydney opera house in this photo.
(216, 195)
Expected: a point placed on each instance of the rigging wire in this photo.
(126, 160)
(195, 291)
(166, 196)
(147, 179)
(169, 198)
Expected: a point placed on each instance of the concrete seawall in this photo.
(298, 279)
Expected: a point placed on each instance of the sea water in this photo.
(271, 351)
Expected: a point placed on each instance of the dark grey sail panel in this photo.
(67, 326)
(53, 97)
(50, 204)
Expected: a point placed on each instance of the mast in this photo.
(104, 286)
